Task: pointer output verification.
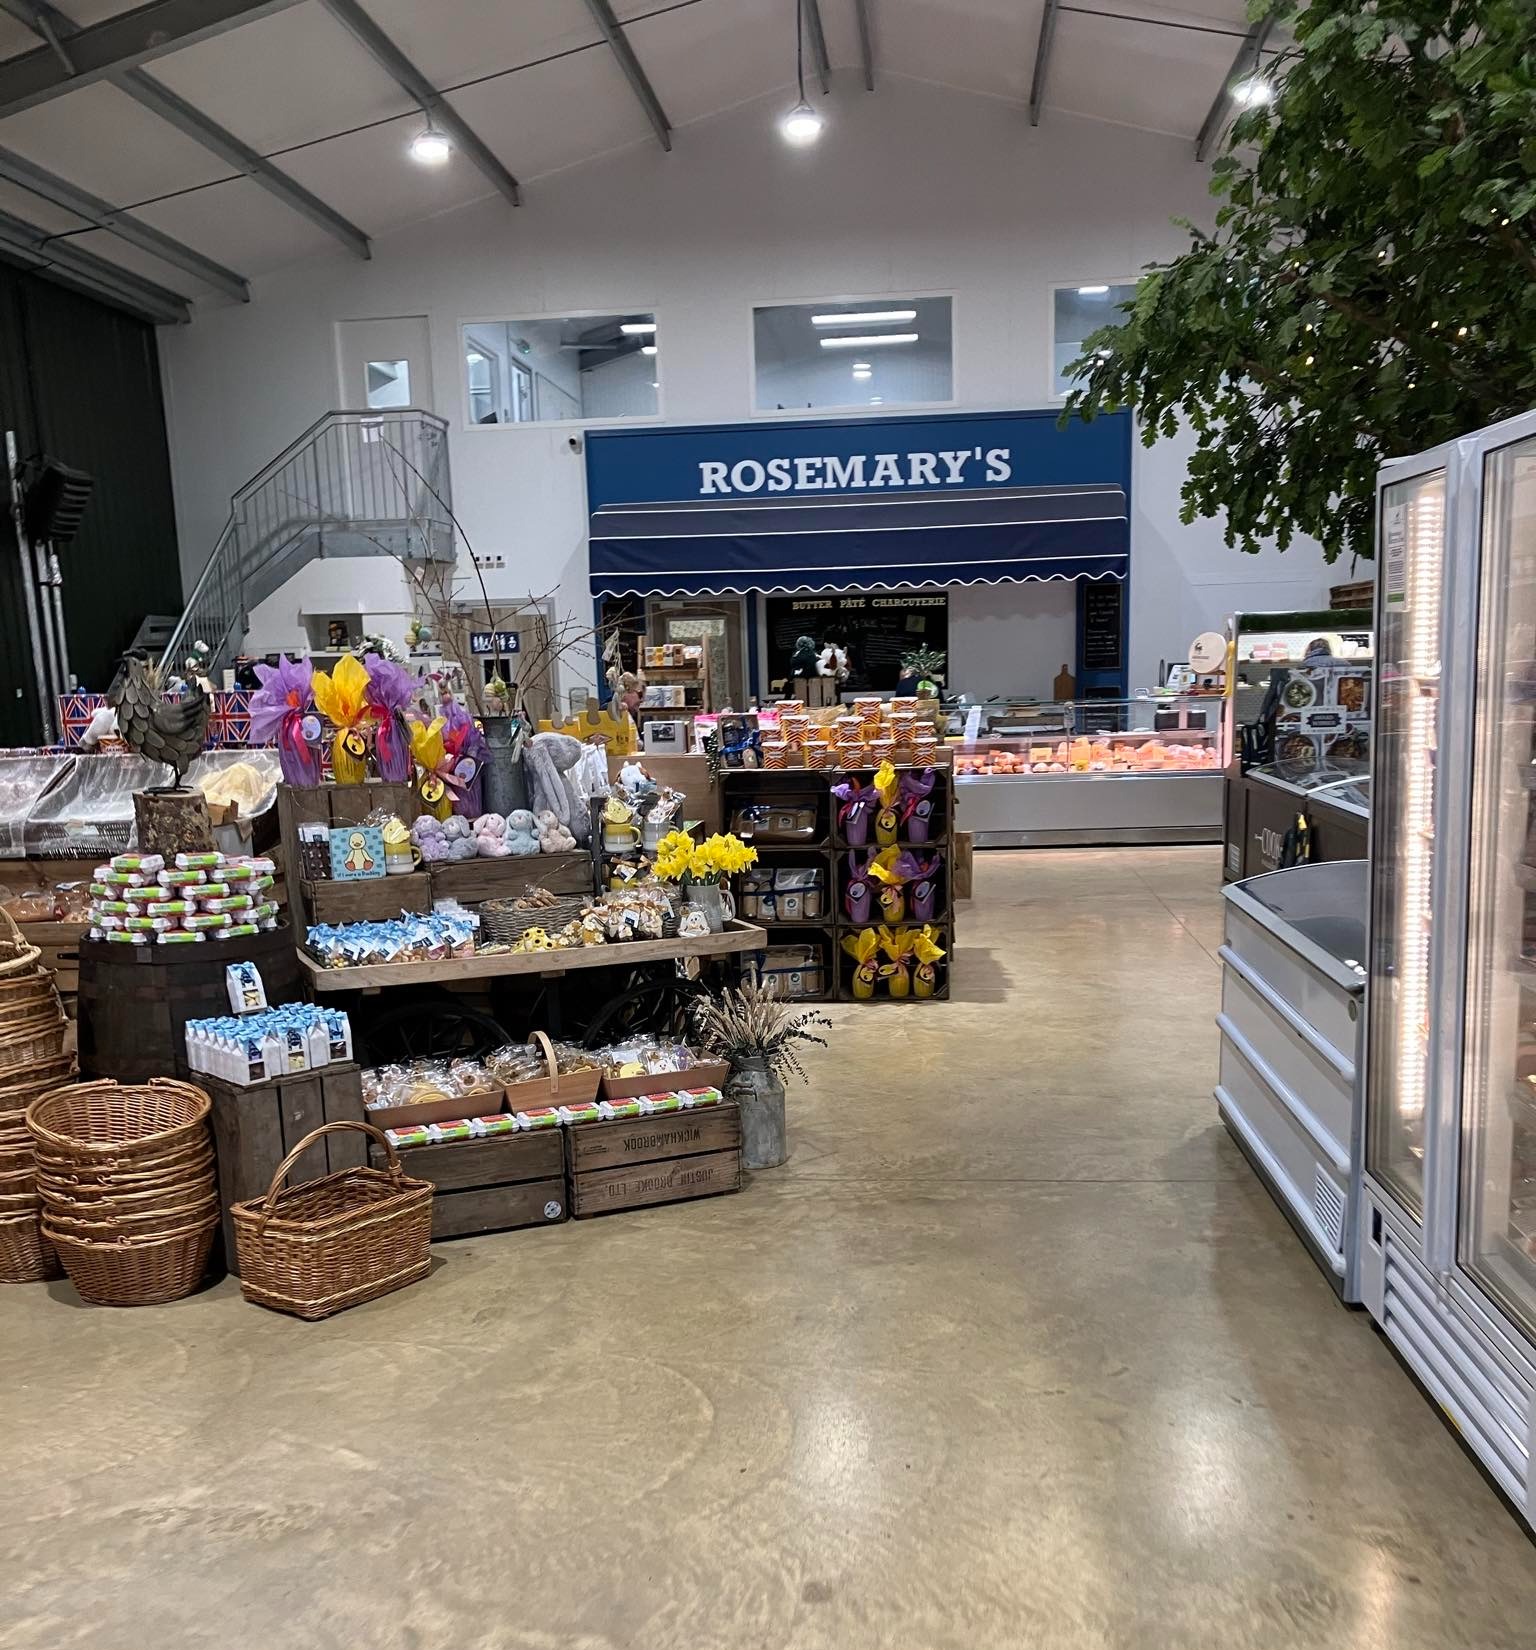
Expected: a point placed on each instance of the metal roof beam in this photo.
(866, 43)
(124, 225)
(1244, 64)
(810, 12)
(29, 245)
(639, 83)
(161, 100)
(47, 24)
(410, 79)
(100, 50)
(1042, 59)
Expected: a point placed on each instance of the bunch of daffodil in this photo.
(682, 860)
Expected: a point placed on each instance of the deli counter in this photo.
(1093, 771)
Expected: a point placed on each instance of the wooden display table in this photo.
(734, 939)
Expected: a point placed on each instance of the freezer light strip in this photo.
(1425, 541)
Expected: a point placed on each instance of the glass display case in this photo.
(1094, 771)
(1448, 1245)
(1298, 687)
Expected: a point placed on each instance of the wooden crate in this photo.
(496, 1184)
(633, 1162)
(256, 1126)
(332, 805)
(372, 899)
(473, 880)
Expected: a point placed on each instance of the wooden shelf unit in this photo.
(742, 787)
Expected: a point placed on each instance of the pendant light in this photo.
(431, 147)
(802, 125)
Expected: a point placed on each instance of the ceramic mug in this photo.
(401, 858)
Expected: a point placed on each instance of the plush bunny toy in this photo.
(549, 759)
(459, 837)
(491, 837)
(427, 834)
(554, 838)
(522, 833)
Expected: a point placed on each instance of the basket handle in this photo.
(542, 1039)
(269, 1202)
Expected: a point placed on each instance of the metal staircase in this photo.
(354, 484)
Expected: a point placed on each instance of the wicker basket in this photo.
(42, 1039)
(503, 925)
(101, 1123)
(17, 954)
(103, 1191)
(18, 1089)
(336, 1242)
(120, 1173)
(26, 1256)
(27, 997)
(136, 1272)
(153, 1222)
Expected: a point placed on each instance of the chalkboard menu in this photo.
(875, 626)
(1103, 608)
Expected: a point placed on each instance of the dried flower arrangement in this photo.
(750, 1022)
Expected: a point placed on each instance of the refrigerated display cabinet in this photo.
(1298, 698)
(1280, 810)
(1448, 1236)
(1107, 771)
(1293, 980)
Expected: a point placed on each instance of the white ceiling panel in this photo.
(371, 177)
(288, 78)
(980, 45)
(51, 219)
(714, 56)
(557, 115)
(241, 225)
(104, 142)
(1160, 79)
(463, 40)
(108, 247)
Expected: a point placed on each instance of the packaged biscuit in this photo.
(199, 862)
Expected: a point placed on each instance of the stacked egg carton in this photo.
(137, 899)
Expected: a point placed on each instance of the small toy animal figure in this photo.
(159, 728)
(549, 760)
(805, 661)
(459, 837)
(522, 834)
(491, 841)
(554, 838)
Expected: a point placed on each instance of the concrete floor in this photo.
(1015, 1352)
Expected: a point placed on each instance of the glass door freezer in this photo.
(1292, 1023)
(1448, 1231)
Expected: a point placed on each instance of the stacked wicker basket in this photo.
(32, 1059)
(126, 1177)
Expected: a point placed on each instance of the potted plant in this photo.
(758, 1032)
(700, 869)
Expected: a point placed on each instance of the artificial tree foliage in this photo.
(1370, 286)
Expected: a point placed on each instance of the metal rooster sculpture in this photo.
(165, 730)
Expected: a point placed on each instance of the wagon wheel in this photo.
(430, 1028)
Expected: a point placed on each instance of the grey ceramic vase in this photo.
(760, 1095)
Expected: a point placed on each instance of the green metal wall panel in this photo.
(80, 381)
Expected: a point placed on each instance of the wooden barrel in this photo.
(135, 1000)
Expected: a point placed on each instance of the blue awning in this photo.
(855, 542)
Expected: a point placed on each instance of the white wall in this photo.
(914, 189)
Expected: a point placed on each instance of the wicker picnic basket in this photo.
(18, 956)
(26, 1256)
(336, 1242)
